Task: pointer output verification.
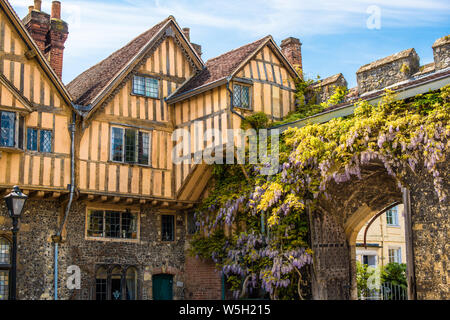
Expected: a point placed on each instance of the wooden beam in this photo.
(116, 199)
(129, 200)
(40, 194)
(142, 201)
(155, 203)
(56, 195)
(104, 198)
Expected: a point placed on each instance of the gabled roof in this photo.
(35, 51)
(16, 93)
(220, 68)
(94, 82)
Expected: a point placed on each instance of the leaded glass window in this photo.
(32, 138)
(116, 283)
(144, 147)
(112, 224)
(241, 96)
(4, 251)
(4, 284)
(101, 280)
(167, 227)
(117, 144)
(5, 260)
(146, 86)
(45, 141)
(130, 146)
(96, 224)
(7, 128)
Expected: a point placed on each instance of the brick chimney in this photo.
(197, 47)
(49, 32)
(292, 50)
(187, 33)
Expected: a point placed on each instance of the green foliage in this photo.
(402, 135)
(394, 273)
(363, 273)
(258, 120)
(306, 104)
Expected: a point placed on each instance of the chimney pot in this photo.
(30, 8)
(56, 10)
(187, 33)
(37, 5)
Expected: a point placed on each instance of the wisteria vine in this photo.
(257, 232)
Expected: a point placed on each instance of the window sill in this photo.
(393, 226)
(132, 164)
(112, 239)
(143, 96)
(11, 150)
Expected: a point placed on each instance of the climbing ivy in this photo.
(255, 228)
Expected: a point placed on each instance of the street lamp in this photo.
(15, 201)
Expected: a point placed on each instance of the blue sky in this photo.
(337, 36)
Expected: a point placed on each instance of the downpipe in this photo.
(57, 238)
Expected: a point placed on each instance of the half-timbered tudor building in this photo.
(96, 158)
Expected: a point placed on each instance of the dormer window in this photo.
(241, 96)
(146, 86)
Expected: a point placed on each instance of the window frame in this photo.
(392, 215)
(7, 266)
(18, 132)
(146, 76)
(138, 131)
(135, 211)
(174, 228)
(250, 95)
(397, 256)
(38, 139)
(123, 278)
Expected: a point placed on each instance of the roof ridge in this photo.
(241, 47)
(118, 50)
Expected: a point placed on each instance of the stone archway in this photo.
(337, 220)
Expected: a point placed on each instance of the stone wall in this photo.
(325, 88)
(430, 232)
(35, 250)
(441, 52)
(387, 71)
(149, 255)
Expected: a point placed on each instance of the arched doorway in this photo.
(336, 223)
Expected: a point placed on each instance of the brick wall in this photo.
(203, 281)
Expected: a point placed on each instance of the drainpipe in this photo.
(57, 238)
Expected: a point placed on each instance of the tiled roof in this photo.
(222, 66)
(90, 83)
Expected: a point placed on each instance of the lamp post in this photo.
(15, 202)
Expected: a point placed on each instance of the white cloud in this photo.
(97, 28)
